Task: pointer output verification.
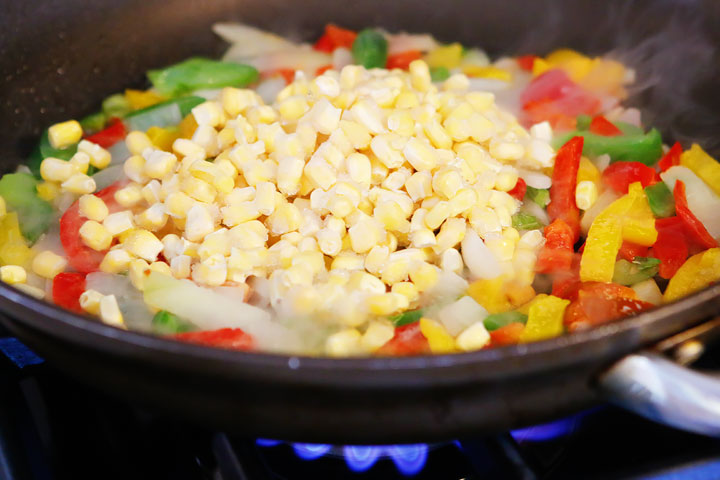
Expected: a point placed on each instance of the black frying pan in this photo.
(58, 59)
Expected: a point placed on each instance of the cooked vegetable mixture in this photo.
(371, 194)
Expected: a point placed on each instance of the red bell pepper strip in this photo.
(671, 249)
(693, 225)
(557, 253)
(335, 37)
(507, 335)
(629, 251)
(620, 175)
(671, 158)
(231, 338)
(402, 60)
(602, 126)
(81, 257)
(518, 191)
(408, 340)
(564, 180)
(66, 290)
(112, 134)
(599, 303)
(566, 283)
(526, 62)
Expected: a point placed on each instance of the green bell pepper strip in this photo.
(116, 106)
(525, 221)
(19, 190)
(541, 196)
(406, 318)
(93, 122)
(582, 122)
(164, 114)
(166, 323)
(370, 49)
(661, 200)
(439, 74)
(196, 73)
(640, 269)
(645, 148)
(499, 320)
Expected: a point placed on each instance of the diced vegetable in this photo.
(437, 337)
(525, 221)
(459, 315)
(481, 262)
(116, 106)
(702, 201)
(140, 99)
(439, 74)
(671, 247)
(629, 251)
(557, 253)
(564, 180)
(408, 340)
(620, 175)
(490, 294)
(370, 49)
(648, 292)
(163, 114)
(211, 311)
(13, 249)
(19, 190)
(599, 303)
(406, 318)
(671, 158)
(541, 196)
(601, 126)
(196, 73)
(691, 222)
(166, 323)
(335, 37)
(230, 338)
(508, 335)
(661, 200)
(645, 148)
(630, 273)
(93, 122)
(66, 290)
(696, 273)
(499, 320)
(112, 134)
(518, 191)
(545, 319)
(402, 60)
(703, 165)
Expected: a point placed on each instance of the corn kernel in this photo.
(134, 168)
(137, 142)
(420, 75)
(80, 162)
(153, 218)
(586, 194)
(13, 274)
(391, 215)
(115, 261)
(178, 204)
(180, 266)
(62, 135)
(506, 179)
(143, 244)
(79, 184)
(119, 222)
(407, 289)
(199, 223)
(99, 157)
(137, 272)
(378, 333)
(424, 276)
(252, 234)
(47, 191)
(90, 301)
(473, 337)
(47, 264)
(56, 170)
(437, 215)
(209, 113)
(451, 233)
(420, 155)
(387, 303)
(93, 208)
(95, 236)
(110, 311)
(344, 343)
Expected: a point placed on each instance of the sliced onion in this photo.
(119, 152)
(403, 42)
(108, 176)
(301, 57)
(648, 291)
(477, 256)
(449, 286)
(602, 161)
(341, 57)
(702, 201)
(269, 88)
(535, 179)
(136, 314)
(250, 41)
(487, 85)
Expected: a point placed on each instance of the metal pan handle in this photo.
(650, 384)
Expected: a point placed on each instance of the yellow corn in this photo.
(95, 236)
(47, 264)
(13, 274)
(62, 135)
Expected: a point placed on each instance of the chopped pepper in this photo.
(564, 180)
(20, 193)
(402, 60)
(370, 49)
(671, 247)
(557, 253)
(641, 148)
(438, 338)
(661, 200)
(490, 293)
(525, 221)
(139, 99)
(231, 338)
(525, 62)
(629, 250)
(335, 37)
(116, 106)
(518, 191)
(696, 273)
(439, 74)
(545, 319)
(587, 171)
(693, 225)
(703, 165)
(448, 56)
(163, 114)
(408, 340)
(110, 135)
(541, 196)
(66, 290)
(167, 323)
(93, 122)
(499, 320)
(406, 318)
(602, 126)
(630, 273)
(508, 335)
(13, 249)
(599, 303)
(195, 73)
(671, 158)
(620, 175)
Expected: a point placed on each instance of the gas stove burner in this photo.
(408, 459)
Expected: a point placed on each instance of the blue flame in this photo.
(546, 431)
(409, 459)
(360, 458)
(266, 442)
(310, 451)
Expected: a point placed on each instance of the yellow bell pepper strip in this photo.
(447, 56)
(574, 63)
(696, 273)
(188, 126)
(703, 165)
(490, 293)
(494, 73)
(587, 171)
(438, 338)
(139, 99)
(163, 138)
(525, 309)
(628, 218)
(13, 249)
(545, 319)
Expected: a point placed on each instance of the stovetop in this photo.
(53, 428)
